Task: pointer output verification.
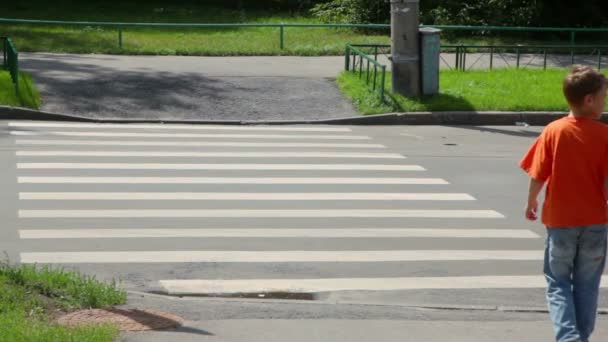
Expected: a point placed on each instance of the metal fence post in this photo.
(599, 59)
(375, 76)
(4, 61)
(572, 55)
(382, 81)
(17, 74)
(491, 57)
(120, 37)
(360, 66)
(282, 37)
(347, 58)
(572, 43)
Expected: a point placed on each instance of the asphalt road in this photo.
(359, 226)
(278, 209)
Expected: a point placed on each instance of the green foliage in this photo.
(474, 12)
(481, 12)
(353, 11)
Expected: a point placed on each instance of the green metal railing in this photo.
(354, 60)
(461, 51)
(11, 61)
(571, 30)
(121, 27)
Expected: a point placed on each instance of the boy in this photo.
(571, 156)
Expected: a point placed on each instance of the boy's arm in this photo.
(533, 191)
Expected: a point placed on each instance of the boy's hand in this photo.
(531, 210)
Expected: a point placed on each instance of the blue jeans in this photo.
(574, 263)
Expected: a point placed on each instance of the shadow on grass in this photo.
(434, 103)
(28, 39)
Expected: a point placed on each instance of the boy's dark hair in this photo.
(582, 81)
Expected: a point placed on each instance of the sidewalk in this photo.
(180, 88)
(189, 88)
(359, 331)
(261, 320)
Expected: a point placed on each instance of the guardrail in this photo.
(350, 64)
(10, 61)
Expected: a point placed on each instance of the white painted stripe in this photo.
(243, 196)
(189, 135)
(206, 287)
(178, 127)
(277, 233)
(277, 256)
(189, 143)
(158, 166)
(233, 213)
(226, 180)
(175, 154)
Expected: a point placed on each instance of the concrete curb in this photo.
(419, 118)
(443, 307)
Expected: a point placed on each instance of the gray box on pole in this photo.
(431, 48)
(405, 47)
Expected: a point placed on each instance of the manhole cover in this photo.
(124, 319)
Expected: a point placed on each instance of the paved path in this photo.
(189, 88)
(214, 88)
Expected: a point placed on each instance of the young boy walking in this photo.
(571, 157)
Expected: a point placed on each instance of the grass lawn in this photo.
(28, 94)
(30, 298)
(187, 41)
(500, 90)
(181, 41)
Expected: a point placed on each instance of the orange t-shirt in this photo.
(571, 155)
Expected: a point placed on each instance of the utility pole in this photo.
(405, 47)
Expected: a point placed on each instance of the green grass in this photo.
(171, 41)
(500, 90)
(30, 297)
(188, 41)
(28, 93)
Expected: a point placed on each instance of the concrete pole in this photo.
(405, 47)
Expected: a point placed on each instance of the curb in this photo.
(489, 118)
(441, 307)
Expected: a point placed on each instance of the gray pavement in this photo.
(188, 88)
(44, 163)
(242, 320)
(214, 88)
(357, 331)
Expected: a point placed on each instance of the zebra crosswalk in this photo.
(256, 209)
